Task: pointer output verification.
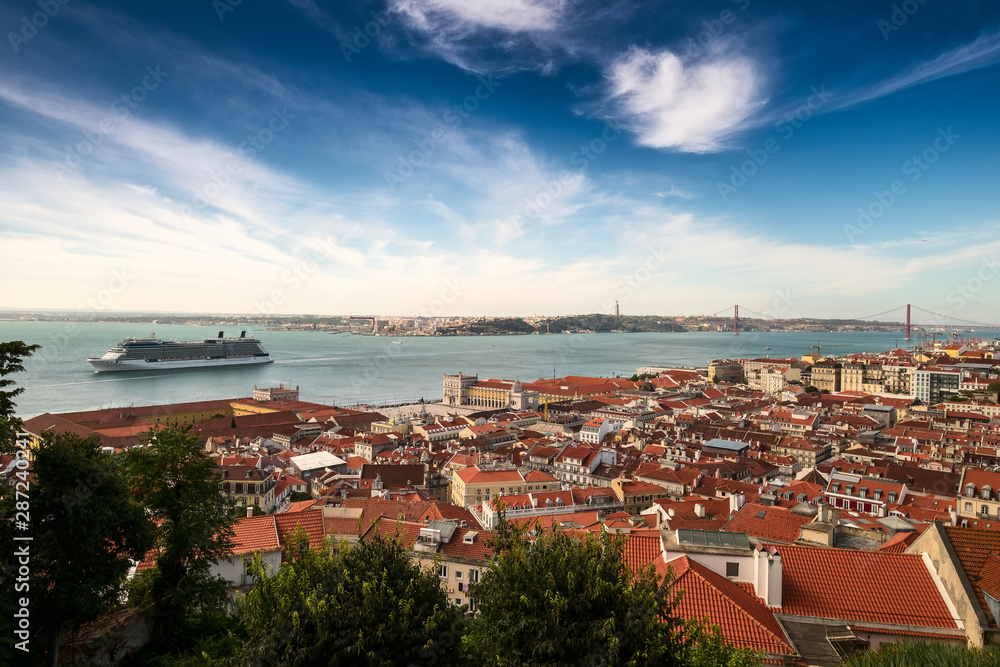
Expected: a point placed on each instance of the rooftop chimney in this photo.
(767, 575)
(250, 511)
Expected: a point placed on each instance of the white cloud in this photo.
(981, 52)
(691, 106)
(462, 15)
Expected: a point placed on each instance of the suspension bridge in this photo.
(932, 320)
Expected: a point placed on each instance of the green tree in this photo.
(86, 530)
(367, 604)
(910, 653)
(993, 387)
(12, 354)
(560, 600)
(550, 598)
(179, 485)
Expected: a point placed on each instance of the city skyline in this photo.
(500, 158)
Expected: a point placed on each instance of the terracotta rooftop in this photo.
(255, 533)
(861, 586)
(744, 619)
(642, 547)
(777, 524)
(977, 552)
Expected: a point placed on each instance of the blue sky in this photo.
(500, 156)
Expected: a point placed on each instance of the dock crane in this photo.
(819, 348)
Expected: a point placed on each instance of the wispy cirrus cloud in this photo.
(315, 14)
(498, 36)
(458, 16)
(680, 104)
(981, 52)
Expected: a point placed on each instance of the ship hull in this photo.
(112, 365)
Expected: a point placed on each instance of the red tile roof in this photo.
(976, 550)
(255, 533)
(867, 587)
(777, 524)
(642, 547)
(744, 619)
(898, 543)
(311, 521)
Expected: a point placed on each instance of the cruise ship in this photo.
(154, 354)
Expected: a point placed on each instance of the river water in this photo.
(344, 369)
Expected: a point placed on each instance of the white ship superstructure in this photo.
(150, 354)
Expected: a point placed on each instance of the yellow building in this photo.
(826, 375)
(249, 486)
(470, 486)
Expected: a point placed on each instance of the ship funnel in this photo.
(243, 334)
(220, 334)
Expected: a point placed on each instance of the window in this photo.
(732, 569)
(443, 571)
(473, 576)
(458, 602)
(985, 510)
(458, 574)
(968, 507)
(892, 496)
(985, 493)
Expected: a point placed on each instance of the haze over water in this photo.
(346, 369)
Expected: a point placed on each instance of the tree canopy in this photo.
(556, 598)
(365, 604)
(86, 531)
(12, 355)
(911, 653)
(179, 485)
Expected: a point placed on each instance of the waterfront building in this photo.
(469, 390)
